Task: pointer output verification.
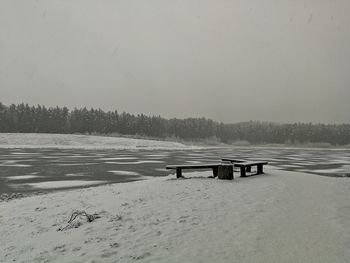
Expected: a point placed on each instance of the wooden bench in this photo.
(246, 167)
(226, 169)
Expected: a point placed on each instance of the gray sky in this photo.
(271, 60)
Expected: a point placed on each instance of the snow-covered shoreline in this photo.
(276, 217)
(96, 142)
(73, 141)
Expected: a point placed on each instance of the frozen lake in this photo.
(27, 170)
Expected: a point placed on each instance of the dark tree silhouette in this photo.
(23, 118)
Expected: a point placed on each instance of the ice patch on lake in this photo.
(118, 172)
(63, 184)
(259, 159)
(77, 156)
(118, 158)
(20, 153)
(193, 162)
(289, 166)
(76, 174)
(274, 160)
(157, 155)
(304, 163)
(137, 162)
(294, 158)
(298, 164)
(10, 161)
(74, 164)
(22, 177)
(15, 165)
(339, 161)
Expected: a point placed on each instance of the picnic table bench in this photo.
(245, 166)
(232, 160)
(222, 170)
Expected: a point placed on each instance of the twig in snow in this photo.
(76, 214)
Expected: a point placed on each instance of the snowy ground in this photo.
(69, 141)
(277, 217)
(281, 216)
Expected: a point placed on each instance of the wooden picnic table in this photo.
(220, 169)
(245, 166)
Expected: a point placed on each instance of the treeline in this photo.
(23, 118)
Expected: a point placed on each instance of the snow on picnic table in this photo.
(277, 217)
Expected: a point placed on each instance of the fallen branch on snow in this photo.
(75, 215)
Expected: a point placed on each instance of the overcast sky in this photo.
(238, 60)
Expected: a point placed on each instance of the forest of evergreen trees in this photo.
(23, 118)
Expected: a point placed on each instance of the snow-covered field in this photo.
(69, 141)
(277, 217)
